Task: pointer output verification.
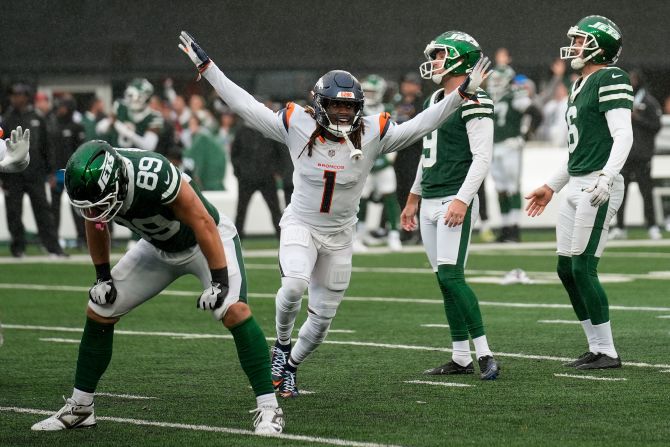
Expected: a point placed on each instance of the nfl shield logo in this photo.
(331, 153)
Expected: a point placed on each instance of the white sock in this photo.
(514, 216)
(461, 352)
(82, 397)
(605, 340)
(481, 347)
(590, 335)
(267, 401)
(504, 219)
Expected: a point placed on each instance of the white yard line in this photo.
(663, 316)
(435, 325)
(370, 299)
(605, 379)
(331, 342)
(426, 382)
(125, 396)
(209, 428)
(558, 321)
(60, 340)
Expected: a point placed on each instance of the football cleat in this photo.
(488, 367)
(393, 241)
(280, 355)
(587, 357)
(72, 415)
(601, 361)
(450, 368)
(268, 420)
(288, 387)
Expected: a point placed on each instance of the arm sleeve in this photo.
(619, 123)
(253, 112)
(480, 135)
(560, 178)
(416, 186)
(400, 136)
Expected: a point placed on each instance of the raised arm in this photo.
(239, 100)
(402, 135)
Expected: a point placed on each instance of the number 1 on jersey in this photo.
(328, 189)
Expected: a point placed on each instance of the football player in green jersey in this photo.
(456, 159)
(600, 136)
(510, 103)
(182, 233)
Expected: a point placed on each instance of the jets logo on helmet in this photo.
(374, 87)
(96, 181)
(461, 54)
(602, 42)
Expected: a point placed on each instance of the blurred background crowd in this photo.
(172, 114)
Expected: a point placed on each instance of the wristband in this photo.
(220, 276)
(103, 271)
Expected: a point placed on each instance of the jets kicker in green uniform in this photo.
(456, 159)
(600, 136)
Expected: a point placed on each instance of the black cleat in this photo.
(488, 367)
(279, 357)
(450, 368)
(601, 361)
(587, 357)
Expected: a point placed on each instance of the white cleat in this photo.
(394, 241)
(655, 233)
(516, 276)
(268, 420)
(617, 234)
(72, 415)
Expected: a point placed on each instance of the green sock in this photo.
(515, 201)
(564, 270)
(457, 326)
(95, 352)
(252, 350)
(362, 210)
(585, 271)
(504, 202)
(392, 210)
(453, 279)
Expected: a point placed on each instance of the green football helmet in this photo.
(461, 54)
(602, 42)
(96, 181)
(137, 94)
(374, 88)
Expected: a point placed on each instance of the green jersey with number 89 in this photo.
(153, 183)
(589, 138)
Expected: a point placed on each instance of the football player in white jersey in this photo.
(333, 147)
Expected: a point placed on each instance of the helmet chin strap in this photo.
(438, 77)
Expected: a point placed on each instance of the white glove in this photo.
(468, 89)
(17, 156)
(600, 190)
(102, 292)
(212, 297)
(197, 55)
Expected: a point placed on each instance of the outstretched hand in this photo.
(468, 89)
(194, 51)
(538, 200)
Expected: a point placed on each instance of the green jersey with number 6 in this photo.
(446, 150)
(153, 183)
(589, 138)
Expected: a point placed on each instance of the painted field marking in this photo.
(364, 299)
(427, 382)
(606, 379)
(558, 321)
(663, 316)
(125, 396)
(327, 342)
(209, 428)
(60, 340)
(435, 325)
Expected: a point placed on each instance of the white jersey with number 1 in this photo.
(328, 184)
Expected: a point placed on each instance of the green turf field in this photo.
(174, 378)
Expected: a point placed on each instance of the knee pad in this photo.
(339, 275)
(293, 288)
(315, 329)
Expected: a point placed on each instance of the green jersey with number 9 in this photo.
(446, 150)
(153, 183)
(589, 138)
